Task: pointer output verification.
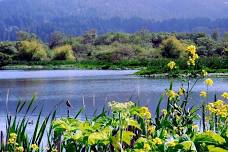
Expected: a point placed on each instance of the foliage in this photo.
(63, 53)
(31, 50)
(172, 48)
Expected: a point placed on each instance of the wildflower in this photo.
(165, 112)
(147, 147)
(218, 108)
(171, 144)
(34, 147)
(151, 129)
(192, 55)
(203, 94)
(13, 136)
(171, 65)
(20, 149)
(191, 49)
(181, 91)
(171, 94)
(225, 95)
(145, 112)
(209, 82)
(204, 73)
(120, 107)
(157, 141)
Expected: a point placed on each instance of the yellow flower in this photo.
(204, 73)
(171, 144)
(209, 82)
(225, 95)
(192, 55)
(157, 141)
(203, 94)
(171, 65)
(145, 112)
(171, 94)
(34, 147)
(151, 129)
(147, 147)
(191, 49)
(13, 136)
(181, 91)
(218, 108)
(20, 149)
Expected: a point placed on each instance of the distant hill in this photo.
(76, 16)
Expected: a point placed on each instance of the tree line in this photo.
(142, 45)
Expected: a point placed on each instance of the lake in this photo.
(91, 89)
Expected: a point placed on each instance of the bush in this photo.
(63, 53)
(172, 48)
(4, 59)
(31, 50)
(8, 48)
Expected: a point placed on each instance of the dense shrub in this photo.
(63, 53)
(8, 48)
(172, 48)
(4, 59)
(31, 50)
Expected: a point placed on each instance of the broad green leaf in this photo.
(133, 123)
(209, 137)
(212, 148)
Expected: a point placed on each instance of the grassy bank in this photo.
(145, 67)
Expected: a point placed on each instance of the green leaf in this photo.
(127, 137)
(209, 137)
(188, 146)
(132, 122)
(212, 148)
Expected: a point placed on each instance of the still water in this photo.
(91, 89)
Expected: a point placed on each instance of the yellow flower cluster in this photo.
(20, 149)
(171, 94)
(225, 95)
(34, 147)
(151, 129)
(120, 107)
(209, 82)
(203, 94)
(12, 138)
(146, 147)
(193, 55)
(171, 65)
(145, 112)
(218, 108)
(181, 91)
(157, 141)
